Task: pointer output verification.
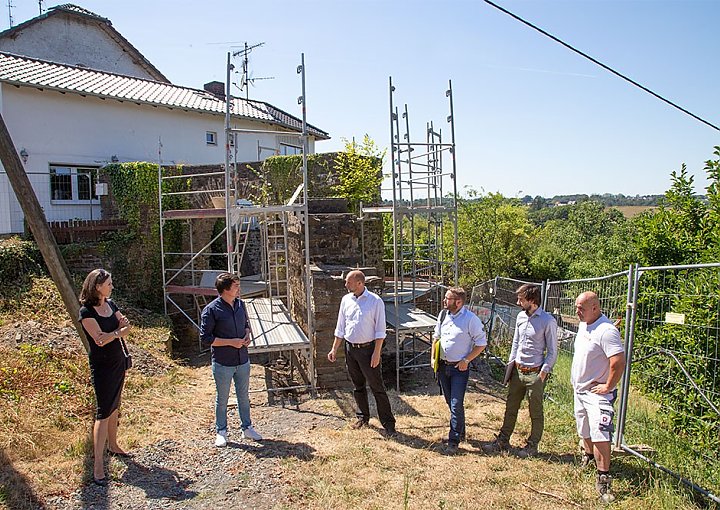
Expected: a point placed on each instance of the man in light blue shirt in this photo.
(533, 355)
(462, 339)
(361, 324)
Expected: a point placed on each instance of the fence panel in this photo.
(672, 332)
(494, 301)
(84, 231)
(675, 362)
(612, 290)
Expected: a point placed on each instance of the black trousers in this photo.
(358, 365)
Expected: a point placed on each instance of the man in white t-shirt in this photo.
(598, 363)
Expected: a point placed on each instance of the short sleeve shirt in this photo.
(458, 334)
(595, 344)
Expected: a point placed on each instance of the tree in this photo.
(674, 233)
(592, 240)
(494, 234)
(360, 172)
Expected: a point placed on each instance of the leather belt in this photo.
(448, 363)
(360, 346)
(528, 370)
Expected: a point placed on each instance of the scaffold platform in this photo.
(409, 317)
(272, 328)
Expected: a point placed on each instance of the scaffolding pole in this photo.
(419, 266)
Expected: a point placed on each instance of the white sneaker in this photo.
(251, 433)
(221, 439)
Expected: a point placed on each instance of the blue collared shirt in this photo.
(458, 334)
(535, 340)
(220, 320)
(361, 319)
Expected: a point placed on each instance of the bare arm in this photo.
(617, 367)
(465, 362)
(232, 342)
(332, 355)
(377, 353)
(99, 337)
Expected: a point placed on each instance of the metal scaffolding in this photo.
(424, 226)
(266, 295)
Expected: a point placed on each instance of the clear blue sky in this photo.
(531, 116)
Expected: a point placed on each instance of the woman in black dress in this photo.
(105, 328)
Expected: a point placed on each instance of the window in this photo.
(289, 150)
(211, 137)
(72, 183)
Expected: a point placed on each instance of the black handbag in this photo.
(126, 352)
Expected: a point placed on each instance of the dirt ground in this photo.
(311, 459)
(181, 468)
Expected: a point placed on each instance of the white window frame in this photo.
(287, 149)
(74, 171)
(211, 137)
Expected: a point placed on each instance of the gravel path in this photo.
(187, 471)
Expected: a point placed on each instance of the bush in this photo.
(18, 260)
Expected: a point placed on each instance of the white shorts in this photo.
(594, 415)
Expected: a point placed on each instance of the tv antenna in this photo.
(10, 7)
(40, 2)
(246, 79)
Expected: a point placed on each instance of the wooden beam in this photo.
(35, 218)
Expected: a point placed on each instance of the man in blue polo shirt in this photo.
(225, 328)
(462, 339)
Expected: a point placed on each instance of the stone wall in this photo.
(339, 242)
(334, 250)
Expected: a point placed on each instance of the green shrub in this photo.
(18, 260)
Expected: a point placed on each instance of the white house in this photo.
(75, 95)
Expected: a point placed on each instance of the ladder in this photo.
(276, 264)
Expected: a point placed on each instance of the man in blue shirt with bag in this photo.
(225, 328)
(462, 338)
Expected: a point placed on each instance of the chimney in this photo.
(216, 88)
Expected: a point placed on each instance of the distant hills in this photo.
(607, 199)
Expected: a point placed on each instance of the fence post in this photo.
(492, 310)
(630, 316)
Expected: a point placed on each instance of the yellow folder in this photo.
(436, 355)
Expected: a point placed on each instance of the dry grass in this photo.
(46, 408)
(361, 470)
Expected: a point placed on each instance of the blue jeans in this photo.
(454, 383)
(223, 377)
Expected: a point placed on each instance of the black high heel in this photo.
(101, 482)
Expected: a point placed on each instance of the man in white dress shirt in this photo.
(361, 328)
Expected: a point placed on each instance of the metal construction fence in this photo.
(667, 414)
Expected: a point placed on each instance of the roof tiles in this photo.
(25, 71)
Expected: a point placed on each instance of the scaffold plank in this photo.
(272, 327)
(410, 317)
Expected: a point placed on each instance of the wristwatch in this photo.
(466, 360)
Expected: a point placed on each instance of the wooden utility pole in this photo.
(35, 217)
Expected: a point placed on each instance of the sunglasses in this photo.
(101, 277)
